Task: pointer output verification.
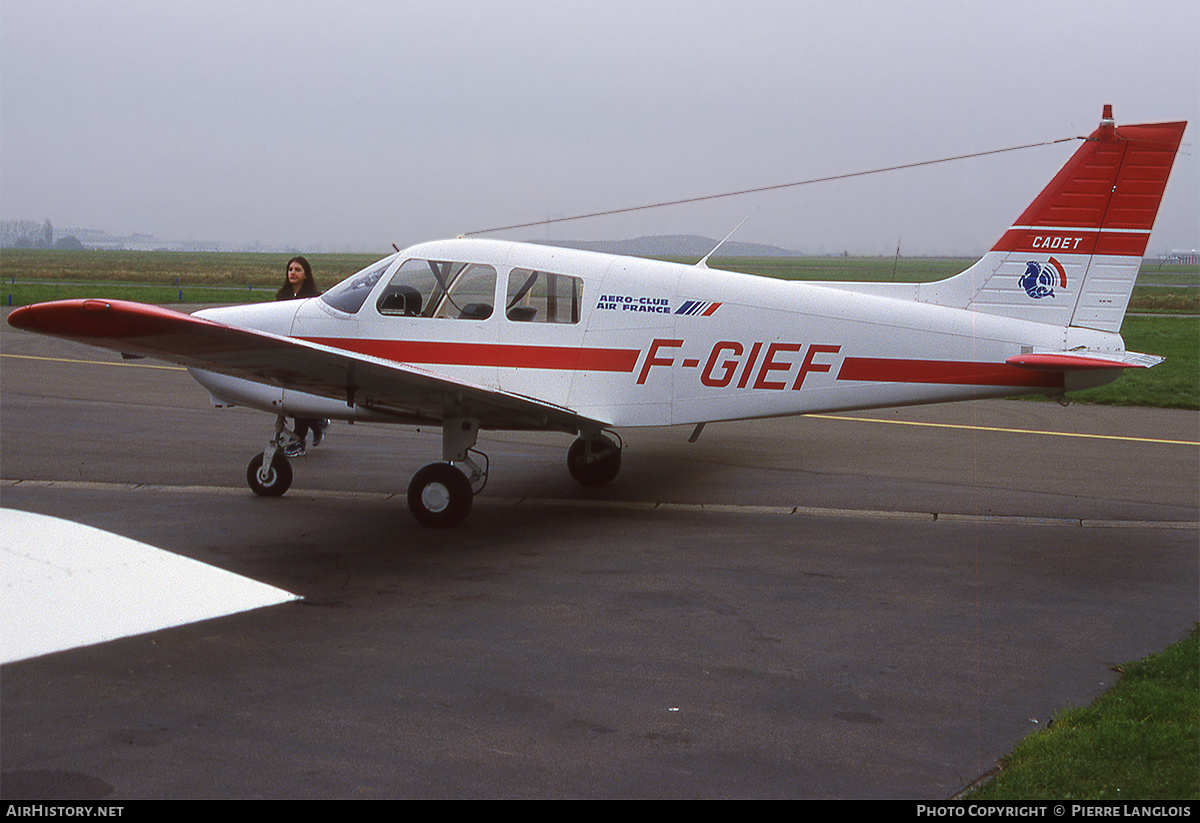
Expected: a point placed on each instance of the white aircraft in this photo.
(482, 334)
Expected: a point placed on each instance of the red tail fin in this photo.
(1105, 199)
(1072, 257)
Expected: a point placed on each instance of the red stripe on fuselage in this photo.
(964, 373)
(489, 354)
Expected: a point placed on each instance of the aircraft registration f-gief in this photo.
(482, 334)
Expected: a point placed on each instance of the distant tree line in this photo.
(28, 234)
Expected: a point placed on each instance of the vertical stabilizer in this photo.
(1072, 257)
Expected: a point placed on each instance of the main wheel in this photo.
(278, 478)
(440, 495)
(595, 463)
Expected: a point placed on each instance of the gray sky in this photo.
(361, 123)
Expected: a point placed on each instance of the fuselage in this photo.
(637, 342)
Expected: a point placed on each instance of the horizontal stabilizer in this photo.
(1083, 359)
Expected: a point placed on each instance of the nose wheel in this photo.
(269, 473)
(272, 481)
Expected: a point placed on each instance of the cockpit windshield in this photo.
(350, 294)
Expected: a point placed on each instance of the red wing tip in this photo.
(93, 317)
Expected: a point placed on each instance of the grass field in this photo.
(1174, 384)
(1140, 740)
(33, 276)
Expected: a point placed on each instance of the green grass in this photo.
(234, 276)
(1174, 384)
(1138, 741)
(1169, 274)
(1165, 300)
(22, 269)
(24, 294)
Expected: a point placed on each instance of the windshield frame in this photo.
(351, 294)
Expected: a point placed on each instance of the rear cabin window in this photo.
(543, 297)
(439, 288)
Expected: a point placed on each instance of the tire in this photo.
(597, 468)
(440, 495)
(279, 478)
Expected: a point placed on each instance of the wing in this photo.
(71, 585)
(409, 392)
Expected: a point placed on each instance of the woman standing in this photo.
(297, 280)
(298, 283)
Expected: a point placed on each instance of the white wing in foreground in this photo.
(68, 585)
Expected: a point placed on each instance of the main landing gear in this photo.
(594, 460)
(441, 494)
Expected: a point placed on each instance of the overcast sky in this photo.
(357, 124)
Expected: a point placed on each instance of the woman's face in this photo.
(295, 274)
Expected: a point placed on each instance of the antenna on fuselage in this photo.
(703, 262)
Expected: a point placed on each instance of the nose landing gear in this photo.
(269, 473)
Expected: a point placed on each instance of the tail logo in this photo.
(1040, 279)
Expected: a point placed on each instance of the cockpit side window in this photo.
(543, 297)
(438, 288)
(350, 294)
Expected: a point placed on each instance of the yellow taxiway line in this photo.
(1003, 430)
(78, 362)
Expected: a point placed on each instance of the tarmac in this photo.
(867, 605)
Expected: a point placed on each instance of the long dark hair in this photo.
(307, 289)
